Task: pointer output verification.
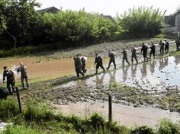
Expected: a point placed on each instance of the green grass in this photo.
(38, 118)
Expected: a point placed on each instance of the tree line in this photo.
(21, 25)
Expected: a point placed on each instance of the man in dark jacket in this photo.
(166, 46)
(112, 59)
(9, 75)
(161, 44)
(98, 62)
(78, 65)
(24, 76)
(144, 51)
(153, 50)
(133, 55)
(125, 57)
(177, 45)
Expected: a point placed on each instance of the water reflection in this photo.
(133, 71)
(157, 73)
(125, 73)
(177, 59)
(162, 63)
(112, 75)
(99, 80)
(144, 69)
(81, 82)
(152, 66)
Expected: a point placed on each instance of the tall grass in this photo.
(20, 130)
(37, 111)
(8, 108)
(166, 126)
(38, 118)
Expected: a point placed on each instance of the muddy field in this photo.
(58, 68)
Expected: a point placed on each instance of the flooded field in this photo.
(131, 107)
(158, 75)
(155, 74)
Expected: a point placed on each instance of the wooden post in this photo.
(19, 101)
(110, 107)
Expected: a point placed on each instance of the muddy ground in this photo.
(57, 68)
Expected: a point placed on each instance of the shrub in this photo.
(37, 111)
(8, 108)
(19, 130)
(118, 129)
(97, 121)
(168, 127)
(142, 130)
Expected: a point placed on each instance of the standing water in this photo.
(157, 73)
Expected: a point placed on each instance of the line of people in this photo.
(164, 49)
(9, 76)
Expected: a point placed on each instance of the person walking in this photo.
(78, 65)
(153, 50)
(166, 46)
(9, 75)
(125, 58)
(83, 61)
(177, 45)
(133, 55)
(98, 62)
(144, 51)
(24, 77)
(111, 60)
(161, 44)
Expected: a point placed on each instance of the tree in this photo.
(19, 16)
(142, 22)
(3, 4)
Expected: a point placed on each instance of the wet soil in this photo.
(129, 85)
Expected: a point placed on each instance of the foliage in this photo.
(168, 127)
(38, 118)
(19, 130)
(76, 27)
(8, 108)
(22, 26)
(143, 130)
(142, 22)
(37, 111)
(3, 4)
(97, 121)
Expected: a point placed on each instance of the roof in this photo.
(108, 17)
(49, 10)
(170, 20)
(177, 12)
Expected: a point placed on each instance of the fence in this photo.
(123, 114)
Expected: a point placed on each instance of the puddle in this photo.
(155, 74)
(125, 115)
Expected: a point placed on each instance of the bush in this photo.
(19, 130)
(37, 111)
(142, 22)
(117, 129)
(142, 130)
(8, 108)
(168, 127)
(97, 121)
